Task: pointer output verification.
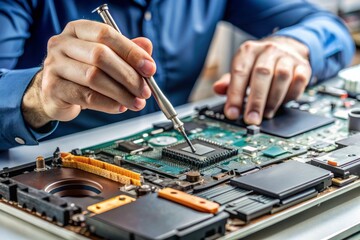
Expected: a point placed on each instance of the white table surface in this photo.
(320, 222)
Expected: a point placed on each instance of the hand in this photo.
(89, 66)
(276, 69)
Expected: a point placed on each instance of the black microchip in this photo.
(130, 147)
(287, 122)
(206, 153)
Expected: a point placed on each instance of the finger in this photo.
(260, 83)
(144, 43)
(301, 78)
(94, 78)
(283, 75)
(97, 32)
(240, 74)
(104, 58)
(221, 86)
(75, 94)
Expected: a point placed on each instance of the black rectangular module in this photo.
(286, 179)
(206, 153)
(8, 189)
(250, 207)
(342, 162)
(351, 140)
(152, 217)
(54, 208)
(130, 147)
(287, 122)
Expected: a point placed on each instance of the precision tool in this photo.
(159, 96)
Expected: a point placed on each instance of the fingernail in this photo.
(146, 67)
(122, 109)
(232, 113)
(138, 103)
(146, 92)
(253, 118)
(269, 113)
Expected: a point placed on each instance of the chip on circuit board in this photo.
(207, 153)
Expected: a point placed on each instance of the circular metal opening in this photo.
(74, 188)
(355, 112)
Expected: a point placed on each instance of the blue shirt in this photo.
(181, 32)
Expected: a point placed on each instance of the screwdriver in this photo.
(164, 104)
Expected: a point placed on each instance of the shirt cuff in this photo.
(13, 128)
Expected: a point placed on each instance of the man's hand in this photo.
(89, 66)
(276, 69)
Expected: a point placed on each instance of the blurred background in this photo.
(228, 38)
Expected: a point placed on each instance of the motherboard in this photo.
(150, 185)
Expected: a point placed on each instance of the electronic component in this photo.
(341, 162)
(253, 130)
(152, 217)
(165, 126)
(160, 166)
(287, 122)
(274, 151)
(332, 91)
(322, 146)
(250, 207)
(351, 140)
(8, 189)
(54, 208)
(215, 191)
(188, 200)
(40, 164)
(144, 189)
(283, 180)
(249, 150)
(344, 181)
(351, 78)
(194, 127)
(110, 203)
(224, 194)
(162, 141)
(106, 170)
(354, 119)
(193, 176)
(130, 147)
(206, 153)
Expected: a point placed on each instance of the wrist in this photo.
(292, 44)
(32, 106)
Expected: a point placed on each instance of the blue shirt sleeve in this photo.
(13, 83)
(13, 129)
(326, 36)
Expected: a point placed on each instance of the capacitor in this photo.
(354, 119)
(144, 189)
(193, 176)
(40, 164)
